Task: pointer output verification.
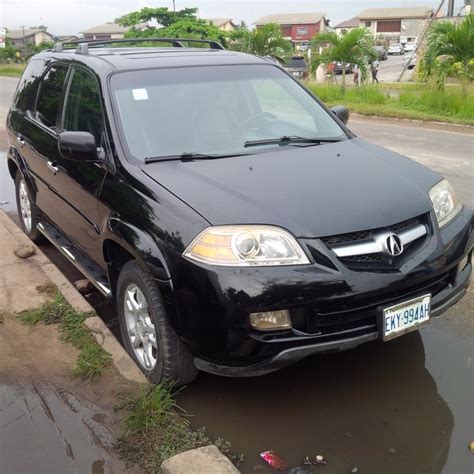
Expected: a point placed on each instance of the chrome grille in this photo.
(367, 246)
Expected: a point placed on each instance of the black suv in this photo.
(235, 221)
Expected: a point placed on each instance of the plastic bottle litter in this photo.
(471, 446)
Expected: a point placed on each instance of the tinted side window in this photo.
(49, 98)
(83, 111)
(28, 85)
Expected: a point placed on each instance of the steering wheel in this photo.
(255, 117)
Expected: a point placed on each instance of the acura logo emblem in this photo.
(393, 245)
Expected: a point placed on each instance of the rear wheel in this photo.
(146, 332)
(28, 213)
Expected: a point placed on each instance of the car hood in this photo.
(314, 191)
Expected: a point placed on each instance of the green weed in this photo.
(92, 358)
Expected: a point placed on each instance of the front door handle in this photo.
(53, 168)
(21, 140)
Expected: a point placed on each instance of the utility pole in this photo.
(420, 41)
(450, 8)
(24, 42)
(174, 5)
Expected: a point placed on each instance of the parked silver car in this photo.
(395, 48)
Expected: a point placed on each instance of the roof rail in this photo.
(83, 45)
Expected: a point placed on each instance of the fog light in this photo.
(271, 320)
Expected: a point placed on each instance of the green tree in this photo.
(180, 24)
(264, 41)
(448, 44)
(8, 53)
(355, 47)
(162, 16)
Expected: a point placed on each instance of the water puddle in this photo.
(46, 430)
(401, 406)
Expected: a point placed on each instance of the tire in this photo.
(146, 332)
(28, 213)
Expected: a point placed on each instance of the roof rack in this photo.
(83, 45)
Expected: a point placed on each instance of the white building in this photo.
(396, 24)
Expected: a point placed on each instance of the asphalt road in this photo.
(402, 406)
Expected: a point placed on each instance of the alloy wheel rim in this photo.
(140, 329)
(25, 206)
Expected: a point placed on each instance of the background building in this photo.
(105, 31)
(24, 36)
(345, 26)
(396, 24)
(224, 24)
(299, 28)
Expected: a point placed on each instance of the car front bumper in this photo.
(332, 307)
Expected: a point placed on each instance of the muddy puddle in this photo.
(398, 407)
(46, 430)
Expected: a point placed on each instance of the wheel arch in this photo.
(124, 242)
(16, 163)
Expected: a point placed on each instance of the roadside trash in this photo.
(299, 470)
(274, 460)
(24, 251)
(471, 446)
(319, 459)
(355, 470)
(392, 450)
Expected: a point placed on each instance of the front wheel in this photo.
(147, 335)
(28, 213)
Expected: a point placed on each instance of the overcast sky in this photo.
(71, 16)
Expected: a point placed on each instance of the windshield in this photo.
(215, 110)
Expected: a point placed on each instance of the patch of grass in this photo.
(150, 409)
(92, 358)
(414, 101)
(154, 431)
(12, 70)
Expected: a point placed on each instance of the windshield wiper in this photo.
(290, 140)
(190, 157)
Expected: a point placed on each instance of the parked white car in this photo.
(409, 47)
(395, 48)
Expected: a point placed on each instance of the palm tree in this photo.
(355, 47)
(448, 44)
(264, 41)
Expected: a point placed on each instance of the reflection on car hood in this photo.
(313, 191)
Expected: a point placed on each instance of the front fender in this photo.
(140, 245)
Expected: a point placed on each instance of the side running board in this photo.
(83, 263)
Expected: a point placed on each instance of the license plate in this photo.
(405, 317)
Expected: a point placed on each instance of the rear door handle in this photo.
(53, 168)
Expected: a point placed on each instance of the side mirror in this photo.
(341, 112)
(78, 146)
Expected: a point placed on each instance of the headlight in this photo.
(245, 246)
(445, 203)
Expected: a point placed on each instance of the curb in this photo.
(434, 125)
(121, 360)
